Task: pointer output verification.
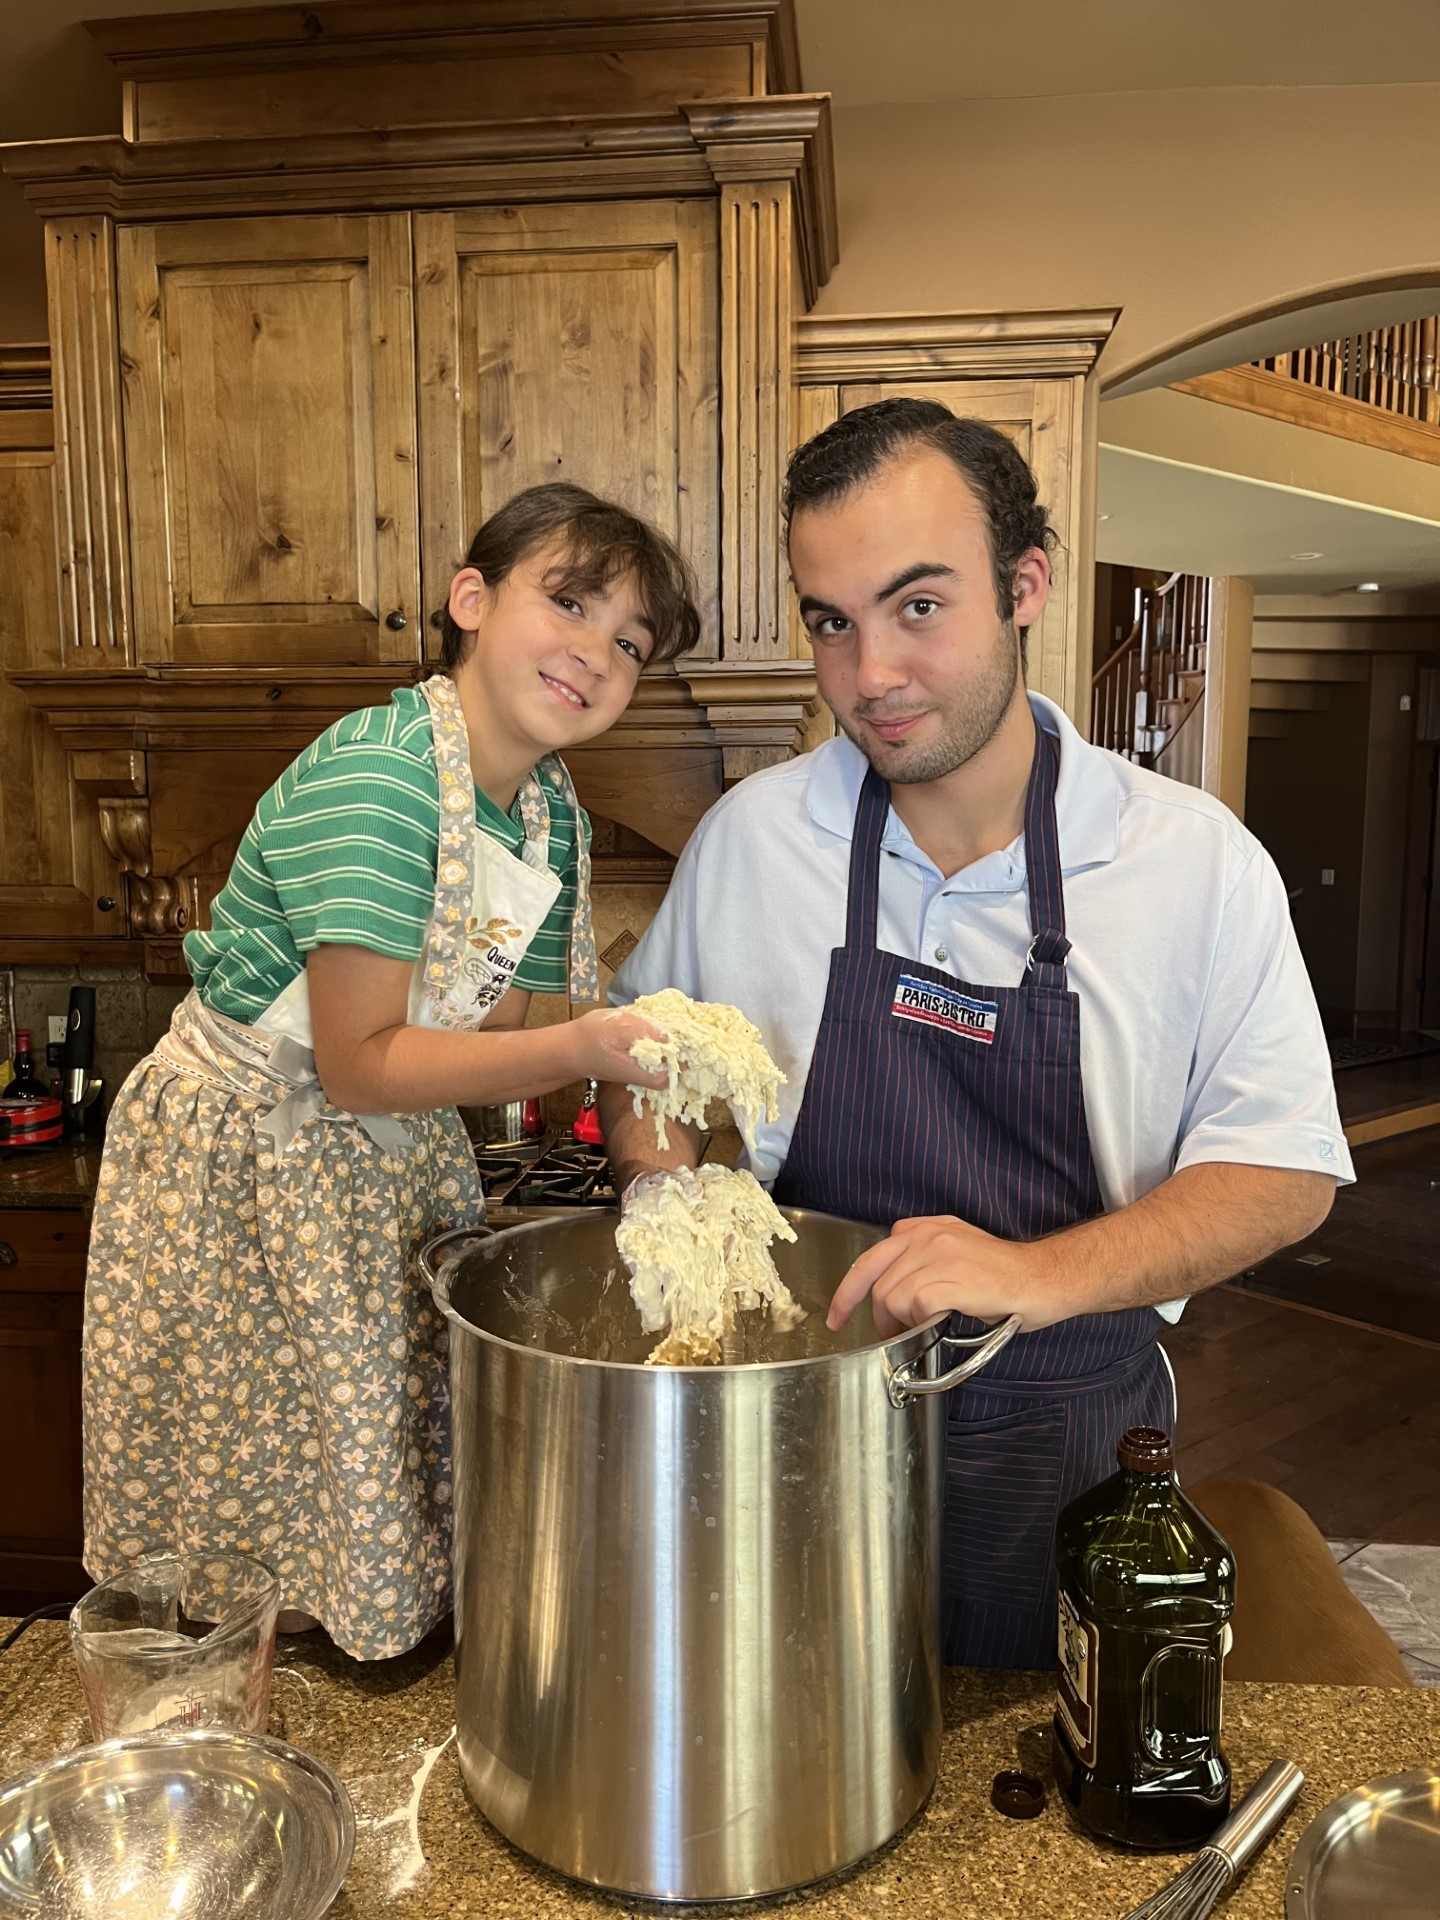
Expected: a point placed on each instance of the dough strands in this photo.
(711, 1052)
(698, 1249)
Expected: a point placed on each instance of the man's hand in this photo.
(1197, 1228)
(942, 1265)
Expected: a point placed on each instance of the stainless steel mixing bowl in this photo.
(207, 1825)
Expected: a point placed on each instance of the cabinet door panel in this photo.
(1040, 417)
(568, 343)
(53, 865)
(40, 1499)
(270, 440)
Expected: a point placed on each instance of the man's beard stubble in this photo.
(962, 733)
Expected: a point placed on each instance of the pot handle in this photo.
(905, 1383)
(435, 1255)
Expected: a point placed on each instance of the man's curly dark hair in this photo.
(855, 447)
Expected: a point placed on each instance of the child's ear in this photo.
(468, 595)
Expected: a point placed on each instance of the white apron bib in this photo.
(489, 905)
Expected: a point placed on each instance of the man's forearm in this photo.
(1201, 1226)
(630, 1139)
(1198, 1227)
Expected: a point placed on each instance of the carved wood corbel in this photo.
(157, 905)
(760, 712)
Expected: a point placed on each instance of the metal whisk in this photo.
(1224, 1857)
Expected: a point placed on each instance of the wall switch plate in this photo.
(1406, 703)
(57, 1029)
(1327, 876)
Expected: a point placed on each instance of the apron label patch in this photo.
(937, 1006)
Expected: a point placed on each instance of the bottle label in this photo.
(1079, 1645)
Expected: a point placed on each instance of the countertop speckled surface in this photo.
(384, 1730)
(62, 1176)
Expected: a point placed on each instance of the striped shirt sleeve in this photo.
(352, 853)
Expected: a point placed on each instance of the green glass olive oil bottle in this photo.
(1147, 1587)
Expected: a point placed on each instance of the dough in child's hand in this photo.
(710, 1051)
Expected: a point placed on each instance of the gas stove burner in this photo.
(562, 1174)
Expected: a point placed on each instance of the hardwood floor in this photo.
(1346, 1421)
(1376, 1259)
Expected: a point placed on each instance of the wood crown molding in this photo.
(25, 376)
(158, 46)
(619, 156)
(780, 138)
(368, 172)
(196, 708)
(893, 346)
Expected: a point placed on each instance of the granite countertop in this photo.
(422, 1850)
(62, 1176)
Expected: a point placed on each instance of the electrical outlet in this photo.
(1327, 876)
(57, 1029)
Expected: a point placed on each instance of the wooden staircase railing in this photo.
(1392, 368)
(1155, 679)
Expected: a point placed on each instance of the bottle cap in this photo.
(1019, 1796)
(22, 1040)
(1145, 1450)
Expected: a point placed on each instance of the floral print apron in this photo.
(264, 1369)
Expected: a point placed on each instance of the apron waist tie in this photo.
(199, 1043)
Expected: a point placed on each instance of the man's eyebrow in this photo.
(809, 604)
(922, 570)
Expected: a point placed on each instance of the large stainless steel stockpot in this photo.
(696, 1608)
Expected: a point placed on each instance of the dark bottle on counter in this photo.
(26, 1085)
(1147, 1587)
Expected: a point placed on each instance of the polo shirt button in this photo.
(942, 954)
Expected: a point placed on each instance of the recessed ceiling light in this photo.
(1367, 586)
(1307, 556)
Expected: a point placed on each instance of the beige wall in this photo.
(1204, 433)
(1189, 208)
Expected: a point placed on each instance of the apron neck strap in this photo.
(534, 808)
(862, 912)
(1045, 958)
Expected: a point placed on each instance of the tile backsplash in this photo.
(131, 1013)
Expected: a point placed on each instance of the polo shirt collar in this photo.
(1087, 796)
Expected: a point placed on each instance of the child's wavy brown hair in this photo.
(596, 543)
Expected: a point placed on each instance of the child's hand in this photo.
(602, 1042)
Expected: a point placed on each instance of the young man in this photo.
(1041, 1011)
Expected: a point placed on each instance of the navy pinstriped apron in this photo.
(926, 1096)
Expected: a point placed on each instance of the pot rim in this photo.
(439, 1281)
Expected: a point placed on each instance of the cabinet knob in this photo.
(8, 1255)
(105, 903)
(395, 621)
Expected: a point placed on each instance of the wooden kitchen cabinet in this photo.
(1030, 375)
(305, 338)
(55, 872)
(570, 342)
(42, 1300)
(270, 443)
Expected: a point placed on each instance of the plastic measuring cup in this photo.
(178, 1640)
